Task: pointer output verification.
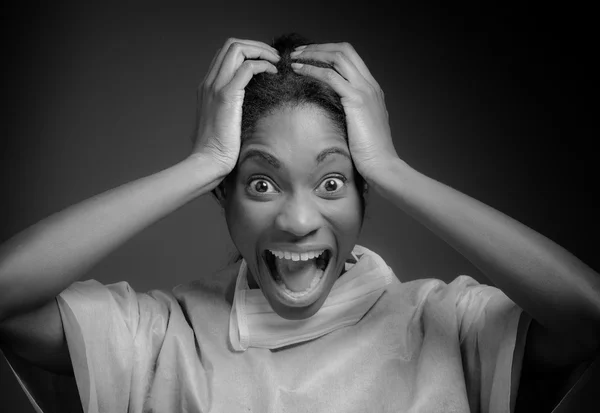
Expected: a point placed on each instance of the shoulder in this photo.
(214, 290)
(433, 288)
(461, 290)
(464, 296)
(87, 296)
(217, 283)
(404, 298)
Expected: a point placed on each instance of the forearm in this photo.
(549, 283)
(40, 262)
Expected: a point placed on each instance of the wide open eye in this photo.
(332, 185)
(260, 186)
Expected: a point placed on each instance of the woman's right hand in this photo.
(43, 260)
(220, 96)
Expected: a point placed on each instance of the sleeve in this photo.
(492, 332)
(100, 324)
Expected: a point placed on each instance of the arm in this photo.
(40, 262)
(556, 289)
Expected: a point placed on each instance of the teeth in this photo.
(294, 256)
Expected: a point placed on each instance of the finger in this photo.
(350, 53)
(254, 43)
(328, 76)
(235, 56)
(211, 66)
(245, 72)
(226, 49)
(342, 64)
(214, 70)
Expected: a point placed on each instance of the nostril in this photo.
(299, 221)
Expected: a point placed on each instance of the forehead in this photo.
(297, 129)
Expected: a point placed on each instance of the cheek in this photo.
(345, 216)
(247, 221)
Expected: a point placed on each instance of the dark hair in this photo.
(268, 92)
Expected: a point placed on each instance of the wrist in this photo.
(389, 177)
(205, 171)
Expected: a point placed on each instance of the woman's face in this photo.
(292, 196)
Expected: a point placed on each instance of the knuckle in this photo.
(249, 64)
(229, 95)
(373, 90)
(222, 95)
(330, 74)
(358, 99)
(235, 47)
(347, 47)
(306, 68)
(230, 41)
(339, 56)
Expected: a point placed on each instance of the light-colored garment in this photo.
(424, 346)
(253, 323)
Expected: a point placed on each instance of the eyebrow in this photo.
(275, 163)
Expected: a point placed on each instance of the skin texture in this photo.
(297, 203)
(558, 291)
(221, 96)
(44, 259)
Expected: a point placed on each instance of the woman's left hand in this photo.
(369, 134)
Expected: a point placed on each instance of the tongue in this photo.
(297, 275)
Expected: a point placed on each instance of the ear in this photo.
(220, 193)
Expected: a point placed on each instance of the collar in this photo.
(253, 323)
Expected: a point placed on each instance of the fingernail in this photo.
(296, 53)
(301, 47)
(297, 65)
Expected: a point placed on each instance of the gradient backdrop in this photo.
(489, 101)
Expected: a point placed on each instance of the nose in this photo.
(299, 216)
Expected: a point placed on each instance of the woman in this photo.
(289, 139)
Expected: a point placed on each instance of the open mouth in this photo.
(299, 278)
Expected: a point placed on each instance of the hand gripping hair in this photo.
(268, 92)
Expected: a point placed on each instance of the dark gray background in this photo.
(490, 101)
